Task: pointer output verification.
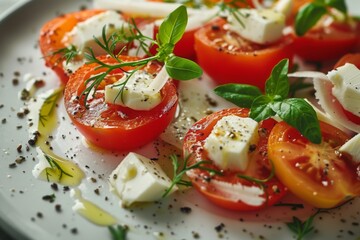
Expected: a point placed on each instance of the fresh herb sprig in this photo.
(55, 166)
(302, 228)
(231, 8)
(170, 32)
(179, 172)
(311, 13)
(118, 232)
(68, 53)
(295, 111)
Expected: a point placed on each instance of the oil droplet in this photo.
(91, 212)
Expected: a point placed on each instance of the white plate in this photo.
(21, 194)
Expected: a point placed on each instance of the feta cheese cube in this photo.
(259, 26)
(139, 179)
(229, 143)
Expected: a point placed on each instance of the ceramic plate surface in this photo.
(186, 215)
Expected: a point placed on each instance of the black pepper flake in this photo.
(3, 121)
(18, 149)
(74, 231)
(215, 27)
(185, 210)
(15, 81)
(12, 165)
(54, 187)
(220, 227)
(97, 191)
(39, 215)
(58, 208)
(1, 105)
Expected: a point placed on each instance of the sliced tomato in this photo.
(114, 127)
(316, 173)
(224, 190)
(51, 36)
(53, 32)
(326, 43)
(228, 58)
(353, 58)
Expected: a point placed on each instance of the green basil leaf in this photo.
(173, 27)
(308, 16)
(278, 82)
(338, 4)
(182, 68)
(299, 114)
(261, 108)
(241, 95)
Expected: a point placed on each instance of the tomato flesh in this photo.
(115, 127)
(228, 58)
(316, 173)
(325, 43)
(259, 166)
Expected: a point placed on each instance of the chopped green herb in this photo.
(69, 53)
(118, 232)
(301, 229)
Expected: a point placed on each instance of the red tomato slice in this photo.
(52, 33)
(229, 58)
(259, 167)
(320, 44)
(51, 36)
(316, 173)
(111, 126)
(353, 58)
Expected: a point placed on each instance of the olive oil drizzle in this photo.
(60, 170)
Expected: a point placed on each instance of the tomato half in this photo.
(316, 173)
(215, 187)
(325, 43)
(228, 58)
(114, 127)
(53, 32)
(51, 36)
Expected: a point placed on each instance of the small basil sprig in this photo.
(311, 13)
(295, 111)
(170, 32)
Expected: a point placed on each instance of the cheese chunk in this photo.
(346, 81)
(229, 143)
(259, 26)
(139, 179)
(82, 35)
(352, 147)
(139, 93)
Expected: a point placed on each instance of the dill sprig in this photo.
(179, 172)
(55, 166)
(170, 32)
(231, 8)
(68, 53)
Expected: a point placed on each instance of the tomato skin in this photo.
(316, 173)
(250, 66)
(259, 166)
(321, 44)
(115, 127)
(51, 36)
(353, 58)
(184, 48)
